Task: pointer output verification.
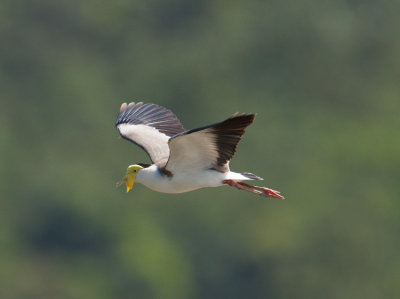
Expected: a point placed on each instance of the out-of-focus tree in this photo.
(321, 75)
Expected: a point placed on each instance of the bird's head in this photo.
(130, 176)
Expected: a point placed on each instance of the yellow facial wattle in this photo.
(130, 177)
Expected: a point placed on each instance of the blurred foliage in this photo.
(323, 77)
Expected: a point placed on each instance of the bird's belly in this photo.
(184, 182)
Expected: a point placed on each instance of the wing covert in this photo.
(208, 147)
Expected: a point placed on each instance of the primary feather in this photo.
(150, 126)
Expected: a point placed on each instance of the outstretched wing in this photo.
(208, 147)
(150, 126)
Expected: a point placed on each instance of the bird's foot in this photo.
(263, 191)
(267, 192)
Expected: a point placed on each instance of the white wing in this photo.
(149, 126)
(209, 147)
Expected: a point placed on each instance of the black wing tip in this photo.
(159, 117)
(236, 122)
(242, 117)
(228, 135)
(126, 109)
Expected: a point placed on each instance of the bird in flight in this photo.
(184, 160)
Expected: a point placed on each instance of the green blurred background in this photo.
(324, 80)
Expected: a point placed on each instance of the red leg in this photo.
(263, 191)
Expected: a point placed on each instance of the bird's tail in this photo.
(251, 176)
(263, 191)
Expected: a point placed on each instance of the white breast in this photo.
(179, 182)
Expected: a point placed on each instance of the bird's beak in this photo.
(129, 179)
